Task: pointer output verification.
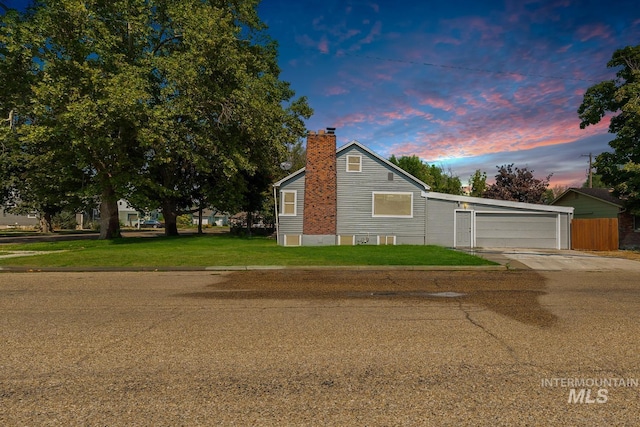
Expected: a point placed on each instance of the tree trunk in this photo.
(249, 223)
(200, 220)
(109, 221)
(45, 222)
(169, 211)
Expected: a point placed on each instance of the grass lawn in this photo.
(224, 250)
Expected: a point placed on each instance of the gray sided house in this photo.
(9, 220)
(354, 196)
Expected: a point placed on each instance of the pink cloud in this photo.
(587, 32)
(472, 141)
(323, 45)
(336, 90)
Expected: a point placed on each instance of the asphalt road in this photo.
(320, 348)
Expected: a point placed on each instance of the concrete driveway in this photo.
(556, 260)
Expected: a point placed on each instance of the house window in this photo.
(636, 223)
(289, 199)
(32, 215)
(386, 240)
(292, 239)
(346, 240)
(395, 205)
(354, 163)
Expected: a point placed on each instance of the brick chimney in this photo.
(320, 189)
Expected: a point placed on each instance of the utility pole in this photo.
(590, 168)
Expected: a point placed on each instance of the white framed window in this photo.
(392, 205)
(386, 240)
(354, 163)
(346, 240)
(32, 215)
(288, 202)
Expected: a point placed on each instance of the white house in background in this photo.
(351, 195)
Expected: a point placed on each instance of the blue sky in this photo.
(463, 84)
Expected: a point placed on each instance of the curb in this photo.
(10, 269)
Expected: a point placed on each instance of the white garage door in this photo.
(516, 230)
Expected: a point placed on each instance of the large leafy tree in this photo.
(518, 185)
(435, 177)
(157, 99)
(619, 169)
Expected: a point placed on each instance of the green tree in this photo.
(518, 185)
(434, 176)
(596, 182)
(478, 183)
(619, 169)
(157, 99)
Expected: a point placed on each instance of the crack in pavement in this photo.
(477, 324)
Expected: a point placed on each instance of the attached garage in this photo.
(517, 230)
(470, 222)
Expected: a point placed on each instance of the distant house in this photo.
(351, 195)
(9, 220)
(591, 203)
(211, 218)
(127, 215)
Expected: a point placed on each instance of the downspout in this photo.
(275, 205)
(426, 214)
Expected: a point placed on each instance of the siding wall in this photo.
(440, 215)
(355, 202)
(587, 207)
(292, 224)
(10, 220)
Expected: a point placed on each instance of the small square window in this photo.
(346, 240)
(386, 240)
(292, 240)
(354, 163)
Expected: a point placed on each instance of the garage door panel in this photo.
(516, 230)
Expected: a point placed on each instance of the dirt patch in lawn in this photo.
(509, 293)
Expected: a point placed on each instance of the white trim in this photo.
(558, 233)
(295, 202)
(386, 236)
(359, 157)
(472, 219)
(502, 203)
(399, 193)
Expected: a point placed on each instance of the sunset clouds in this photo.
(461, 83)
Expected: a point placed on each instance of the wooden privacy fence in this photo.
(598, 234)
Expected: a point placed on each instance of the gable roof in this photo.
(602, 194)
(373, 154)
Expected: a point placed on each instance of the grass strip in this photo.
(226, 250)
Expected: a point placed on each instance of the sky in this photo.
(464, 84)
